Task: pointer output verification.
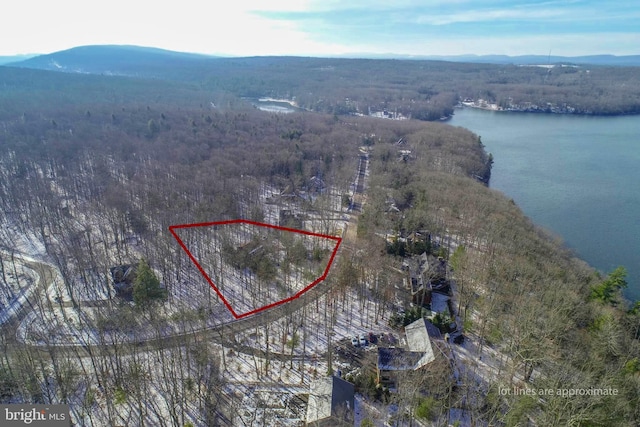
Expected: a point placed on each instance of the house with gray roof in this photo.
(331, 403)
(418, 353)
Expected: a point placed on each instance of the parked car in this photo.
(363, 340)
(355, 342)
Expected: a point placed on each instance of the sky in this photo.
(327, 27)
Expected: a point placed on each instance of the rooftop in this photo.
(418, 340)
(419, 351)
(330, 396)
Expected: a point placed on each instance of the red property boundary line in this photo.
(259, 224)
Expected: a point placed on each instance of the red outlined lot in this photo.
(173, 229)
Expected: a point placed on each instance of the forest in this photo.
(421, 89)
(96, 168)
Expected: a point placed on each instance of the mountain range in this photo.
(135, 60)
(111, 59)
(8, 59)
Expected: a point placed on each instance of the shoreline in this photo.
(602, 264)
(569, 111)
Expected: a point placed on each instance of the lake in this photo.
(577, 176)
(274, 105)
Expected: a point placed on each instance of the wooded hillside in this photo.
(422, 89)
(96, 168)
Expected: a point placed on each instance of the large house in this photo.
(122, 277)
(418, 353)
(331, 403)
(427, 274)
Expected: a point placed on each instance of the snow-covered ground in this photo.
(19, 281)
(284, 255)
(22, 241)
(267, 370)
(309, 331)
(21, 284)
(320, 214)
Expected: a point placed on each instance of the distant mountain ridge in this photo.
(129, 60)
(7, 59)
(628, 60)
(328, 85)
(110, 59)
(605, 59)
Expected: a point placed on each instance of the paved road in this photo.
(17, 312)
(360, 183)
(224, 333)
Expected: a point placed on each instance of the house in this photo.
(316, 185)
(419, 335)
(418, 354)
(331, 403)
(393, 360)
(420, 290)
(430, 275)
(122, 277)
(289, 218)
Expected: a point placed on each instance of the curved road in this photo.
(224, 333)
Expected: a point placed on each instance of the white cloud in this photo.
(381, 5)
(570, 12)
(236, 27)
(576, 44)
(490, 15)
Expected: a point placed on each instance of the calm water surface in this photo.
(576, 176)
